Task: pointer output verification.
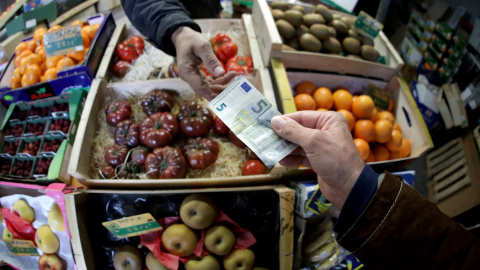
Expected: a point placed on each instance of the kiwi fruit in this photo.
(320, 31)
(353, 34)
(279, 5)
(301, 30)
(337, 16)
(294, 17)
(312, 18)
(348, 21)
(293, 43)
(369, 53)
(288, 48)
(351, 45)
(332, 45)
(285, 29)
(354, 56)
(333, 32)
(310, 43)
(324, 11)
(339, 26)
(277, 14)
(299, 8)
(366, 41)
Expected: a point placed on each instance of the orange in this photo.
(23, 66)
(78, 55)
(20, 47)
(31, 45)
(77, 22)
(395, 142)
(85, 29)
(381, 152)
(65, 62)
(85, 40)
(362, 147)
(32, 76)
(34, 69)
(16, 73)
(17, 61)
(374, 116)
(93, 30)
(304, 102)
(363, 107)
(15, 82)
(371, 157)
(305, 87)
(25, 53)
(349, 117)
(364, 129)
(383, 131)
(397, 127)
(387, 116)
(41, 52)
(342, 99)
(43, 67)
(394, 155)
(50, 74)
(38, 37)
(54, 28)
(40, 30)
(322, 110)
(354, 97)
(53, 61)
(23, 81)
(323, 98)
(405, 148)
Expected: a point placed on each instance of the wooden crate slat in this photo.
(449, 170)
(447, 163)
(442, 149)
(452, 189)
(451, 179)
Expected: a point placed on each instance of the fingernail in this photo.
(278, 122)
(218, 71)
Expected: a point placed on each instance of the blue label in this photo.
(246, 87)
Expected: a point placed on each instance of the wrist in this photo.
(338, 194)
(179, 32)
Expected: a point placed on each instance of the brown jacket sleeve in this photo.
(400, 229)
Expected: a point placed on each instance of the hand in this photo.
(326, 146)
(193, 49)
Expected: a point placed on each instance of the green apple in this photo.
(219, 240)
(7, 234)
(240, 259)
(198, 211)
(179, 240)
(46, 240)
(23, 210)
(55, 218)
(206, 263)
(153, 263)
(127, 257)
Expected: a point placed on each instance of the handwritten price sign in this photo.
(63, 41)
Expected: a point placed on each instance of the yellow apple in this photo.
(7, 234)
(55, 218)
(46, 240)
(154, 264)
(198, 211)
(50, 262)
(206, 263)
(219, 240)
(179, 240)
(127, 257)
(240, 259)
(23, 210)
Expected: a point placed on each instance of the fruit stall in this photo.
(109, 160)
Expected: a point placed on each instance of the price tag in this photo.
(20, 247)
(63, 41)
(31, 23)
(367, 25)
(380, 97)
(132, 226)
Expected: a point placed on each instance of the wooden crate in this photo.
(270, 45)
(79, 217)
(454, 174)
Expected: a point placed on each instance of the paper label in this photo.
(20, 247)
(380, 97)
(367, 25)
(132, 226)
(63, 41)
(248, 114)
(31, 23)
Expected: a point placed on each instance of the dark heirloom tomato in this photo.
(108, 171)
(117, 112)
(252, 167)
(158, 129)
(219, 127)
(156, 101)
(126, 133)
(116, 154)
(200, 152)
(195, 120)
(121, 68)
(166, 162)
(235, 140)
(139, 155)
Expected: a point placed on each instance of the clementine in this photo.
(21, 47)
(405, 148)
(374, 116)
(362, 147)
(395, 142)
(387, 116)
(371, 157)
(304, 102)
(77, 22)
(349, 117)
(65, 62)
(305, 87)
(363, 107)
(383, 131)
(342, 99)
(364, 129)
(322, 110)
(323, 98)
(381, 152)
(397, 127)
(394, 155)
(50, 74)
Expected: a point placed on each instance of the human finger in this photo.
(204, 51)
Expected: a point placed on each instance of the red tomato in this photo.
(220, 38)
(126, 133)
(240, 64)
(230, 49)
(139, 155)
(121, 68)
(219, 127)
(126, 52)
(156, 101)
(158, 129)
(138, 43)
(116, 154)
(235, 140)
(117, 112)
(195, 120)
(108, 171)
(200, 152)
(165, 163)
(253, 167)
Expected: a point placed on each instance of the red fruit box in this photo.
(30, 146)
(10, 147)
(265, 211)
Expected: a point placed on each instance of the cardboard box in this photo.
(304, 192)
(271, 223)
(78, 76)
(270, 45)
(426, 103)
(29, 19)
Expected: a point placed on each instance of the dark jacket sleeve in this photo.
(157, 20)
(400, 229)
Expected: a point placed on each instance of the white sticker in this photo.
(473, 104)
(31, 23)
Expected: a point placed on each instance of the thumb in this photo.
(212, 63)
(289, 129)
